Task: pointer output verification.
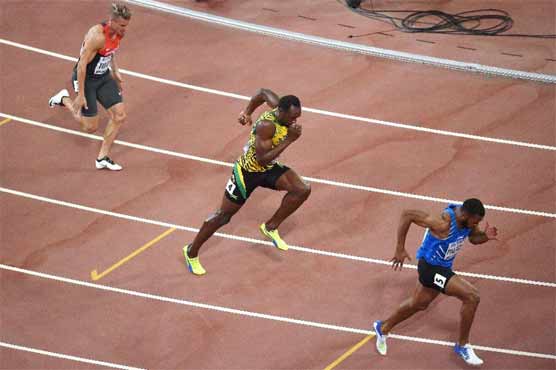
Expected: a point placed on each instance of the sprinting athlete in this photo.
(443, 239)
(271, 134)
(96, 77)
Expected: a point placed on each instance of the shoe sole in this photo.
(469, 364)
(184, 249)
(107, 168)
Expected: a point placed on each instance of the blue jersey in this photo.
(442, 252)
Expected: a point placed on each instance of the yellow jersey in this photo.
(248, 160)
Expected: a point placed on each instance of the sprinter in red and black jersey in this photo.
(96, 77)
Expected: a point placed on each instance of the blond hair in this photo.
(119, 10)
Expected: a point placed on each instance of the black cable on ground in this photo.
(470, 22)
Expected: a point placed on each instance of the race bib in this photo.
(439, 280)
(103, 65)
(453, 249)
(230, 188)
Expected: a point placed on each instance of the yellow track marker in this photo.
(5, 121)
(349, 352)
(96, 276)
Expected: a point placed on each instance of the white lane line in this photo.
(257, 241)
(312, 110)
(120, 142)
(258, 315)
(345, 46)
(310, 179)
(67, 357)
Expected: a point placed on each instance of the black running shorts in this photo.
(434, 277)
(104, 89)
(242, 183)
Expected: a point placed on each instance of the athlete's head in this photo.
(120, 15)
(472, 212)
(289, 109)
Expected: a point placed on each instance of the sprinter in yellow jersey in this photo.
(271, 134)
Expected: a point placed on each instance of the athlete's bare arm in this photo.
(116, 72)
(438, 225)
(263, 141)
(478, 236)
(94, 41)
(262, 96)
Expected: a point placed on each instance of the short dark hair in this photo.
(287, 101)
(474, 206)
(119, 10)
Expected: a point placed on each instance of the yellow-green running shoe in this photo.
(193, 264)
(274, 237)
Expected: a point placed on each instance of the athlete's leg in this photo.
(214, 222)
(419, 301)
(88, 118)
(470, 298)
(67, 102)
(118, 116)
(89, 124)
(297, 192)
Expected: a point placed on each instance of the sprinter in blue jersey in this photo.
(443, 239)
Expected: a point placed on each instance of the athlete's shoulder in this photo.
(443, 221)
(269, 115)
(445, 216)
(265, 129)
(95, 36)
(96, 30)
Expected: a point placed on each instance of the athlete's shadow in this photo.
(269, 251)
(435, 319)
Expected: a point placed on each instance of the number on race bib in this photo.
(103, 64)
(230, 188)
(439, 280)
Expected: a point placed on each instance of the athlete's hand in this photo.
(244, 119)
(294, 132)
(399, 258)
(491, 232)
(79, 103)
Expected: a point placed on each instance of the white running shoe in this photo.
(57, 99)
(381, 346)
(468, 355)
(106, 162)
